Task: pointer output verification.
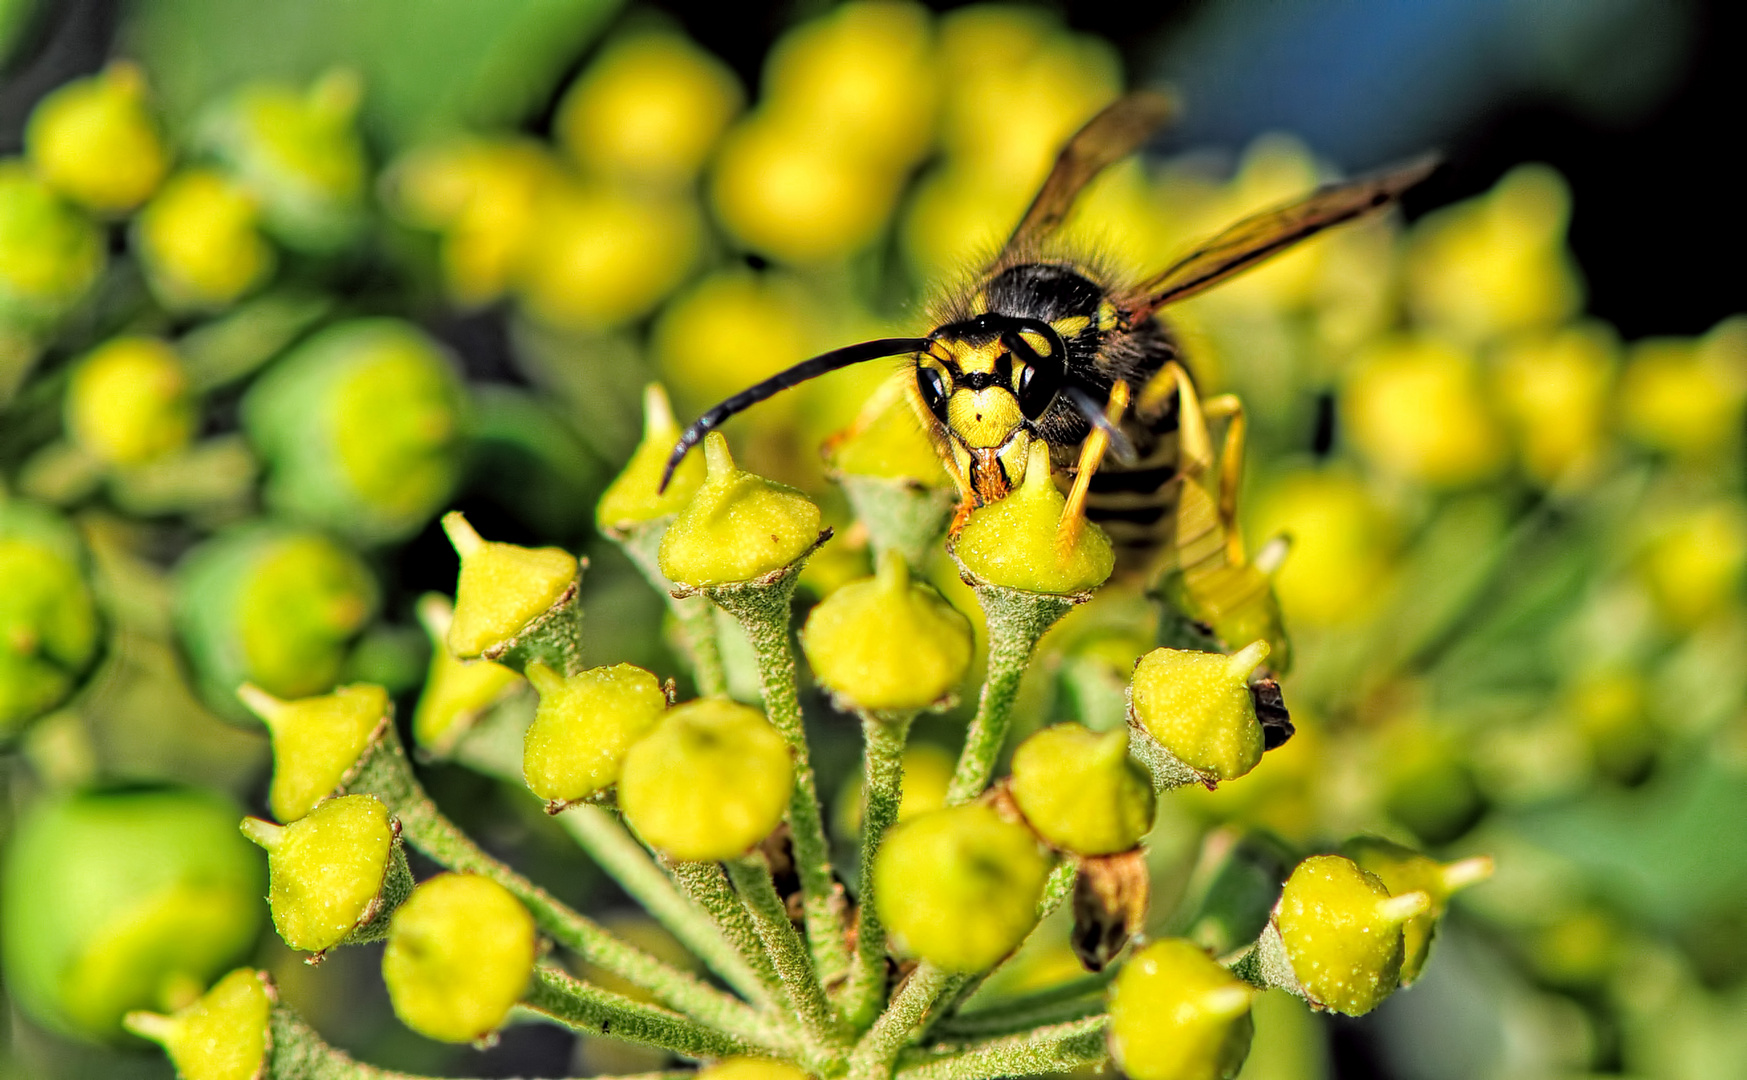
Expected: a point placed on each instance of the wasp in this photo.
(1040, 345)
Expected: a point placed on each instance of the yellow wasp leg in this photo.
(1231, 469)
(1091, 456)
(1194, 445)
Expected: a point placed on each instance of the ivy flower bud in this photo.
(894, 479)
(959, 887)
(1342, 933)
(751, 1068)
(1012, 542)
(224, 1035)
(1197, 707)
(508, 597)
(886, 643)
(128, 402)
(1693, 568)
(48, 619)
(460, 953)
(199, 243)
(270, 606)
(1402, 871)
(738, 527)
(94, 141)
(632, 499)
(456, 691)
(49, 252)
(124, 900)
(335, 875)
(1420, 410)
(299, 154)
(584, 725)
(361, 427)
(712, 779)
(1684, 396)
(603, 256)
(1081, 791)
(1177, 1015)
(316, 741)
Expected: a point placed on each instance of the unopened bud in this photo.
(738, 528)
(583, 727)
(1342, 933)
(48, 617)
(1404, 872)
(1198, 707)
(503, 589)
(632, 498)
(128, 401)
(456, 691)
(751, 1068)
(316, 741)
(222, 1036)
(886, 643)
(1081, 791)
(460, 953)
(1012, 542)
(199, 242)
(50, 253)
(93, 140)
(1177, 1015)
(336, 874)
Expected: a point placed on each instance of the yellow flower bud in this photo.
(502, 588)
(1687, 397)
(1198, 707)
(751, 1068)
(1555, 391)
(460, 953)
(94, 141)
(1012, 542)
(1342, 933)
(1081, 791)
(456, 691)
(712, 779)
(1417, 409)
(649, 109)
(1343, 545)
(584, 725)
(48, 616)
(890, 445)
(1695, 566)
(1403, 870)
(959, 887)
(1177, 1015)
(49, 252)
(738, 528)
(885, 643)
(199, 242)
(222, 1036)
(601, 256)
(632, 498)
(128, 401)
(316, 741)
(335, 873)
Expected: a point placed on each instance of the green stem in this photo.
(1016, 621)
(1068, 1001)
(882, 792)
(697, 624)
(763, 610)
(1056, 889)
(708, 888)
(578, 1005)
(900, 1024)
(1055, 1049)
(770, 916)
(384, 771)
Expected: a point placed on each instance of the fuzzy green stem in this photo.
(900, 1025)
(709, 889)
(582, 1007)
(1068, 1001)
(385, 772)
(1016, 621)
(642, 545)
(1055, 1049)
(770, 916)
(763, 611)
(882, 793)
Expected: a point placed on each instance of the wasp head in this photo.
(987, 380)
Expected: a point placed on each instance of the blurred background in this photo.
(295, 276)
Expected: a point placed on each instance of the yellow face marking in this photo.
(972, 359)
(1072, 326)
(1106, 316)
(983, 419)
(1039, 344)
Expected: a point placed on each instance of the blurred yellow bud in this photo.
(1417, 408)
(1081, 791)
(1554, 391)
(890, 445)
(728, 331)
(1695, 565)
(456, 691)
(1403, 870)
(128, 401)
(50, 253)
(1337, 569)
(1687, 397)
(927, 772)
(600, 256)
(1276, 168)
(750, 1068)
(199, 242)
(94, 141)
(649, 109)
(503, 588)
(1497, 264)
(1012, 542)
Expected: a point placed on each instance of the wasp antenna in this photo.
(807, 369)
(1120, 446)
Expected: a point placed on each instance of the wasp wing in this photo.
(1266, 234)
(1104, 140)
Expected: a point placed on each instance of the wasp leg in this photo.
(1073, 518)
(1231, 469)
(1194, 445)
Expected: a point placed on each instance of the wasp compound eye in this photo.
(1038, 385)
(933, 387)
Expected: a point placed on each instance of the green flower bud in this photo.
(128, 401)
(299, 154)
(273, 607)
(224, 1035)
(199, 243)
(584, 725)
(336, 874)
(894, 479)
(1403, 870)
(460, 953)
(887, 644)
(93, 140)
(361, 427)
(1013, 542)
(456, 691)
(1081, 791)
(632, 499)
(124, 900)
(1342, 933)
(506, 593)
(959, 887)
(738, 528)
(48, 620)
(316, 741)
(710, 781)
(751, 1068)
(1177, 1015)
(1198, 708)
(49, 252)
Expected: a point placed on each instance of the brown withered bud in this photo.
(1110, 903)
(1271, 712)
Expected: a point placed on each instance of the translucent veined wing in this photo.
(1261, 236)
